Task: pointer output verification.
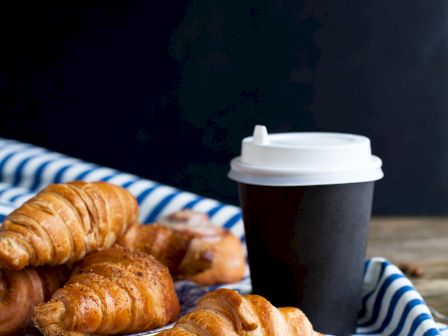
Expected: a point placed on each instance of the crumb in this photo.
(413, 271)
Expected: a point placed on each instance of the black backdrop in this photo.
(166, 90)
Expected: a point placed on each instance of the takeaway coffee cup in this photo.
(306, 200)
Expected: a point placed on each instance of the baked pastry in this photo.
(20, 291)
(166, 245)
(114, 291)
(64, 222)
(224, 312)
(187, 217)
(191, 247)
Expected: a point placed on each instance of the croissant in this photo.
(20, 291)
(224, 312)
(111, 292)
(64, 222)
(191, 247)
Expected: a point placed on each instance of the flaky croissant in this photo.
(64, 222)
(20, 291)
(111, 292)
(224, 312)
(191, 247)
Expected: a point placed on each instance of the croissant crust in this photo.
(64, 222)
(111, 292)
(20, 291)
(224, 312)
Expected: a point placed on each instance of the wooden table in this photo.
(418, 241)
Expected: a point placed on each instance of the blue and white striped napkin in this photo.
(390, 305)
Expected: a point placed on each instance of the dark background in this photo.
(167, 90)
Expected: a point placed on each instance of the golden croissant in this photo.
(111, 292)
(224, 312)
(64, 222)
(191, 247)
(20, 291)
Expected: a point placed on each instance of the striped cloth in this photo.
(390, 304)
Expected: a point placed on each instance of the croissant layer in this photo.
(111, 292)
(20, 291)
(64, 222)
(224, 312)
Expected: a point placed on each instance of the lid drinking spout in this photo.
(260, 135)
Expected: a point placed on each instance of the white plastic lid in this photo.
(305, 158)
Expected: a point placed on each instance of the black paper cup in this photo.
(306, 200)
(306, 248)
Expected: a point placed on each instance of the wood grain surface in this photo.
(421, 243)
